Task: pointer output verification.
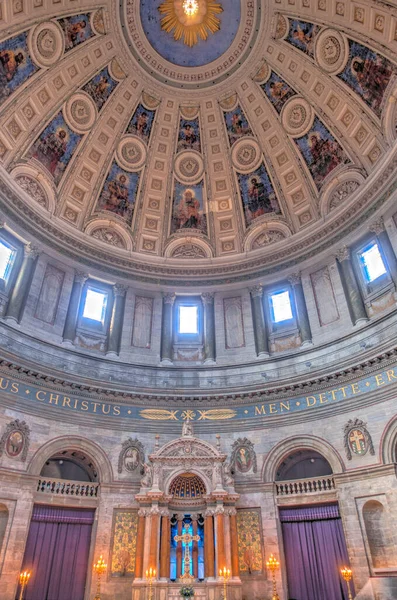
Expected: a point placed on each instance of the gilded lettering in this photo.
(311, 400)
(95, 404)
(379, 380)
(4, 383)
(272, 408)
(54, 398)
(104, 406)
(76, 401)
(84, 405)
(323, 399)
(260, 410)
(390, 374)
(38, 397)
(355, 388)
(284, 406)
(14, 387)
(333, 392)
(343, 390)
(66, 401)
(116, 410)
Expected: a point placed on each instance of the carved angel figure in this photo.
(147, 478)
(228, 473)
(187, 429)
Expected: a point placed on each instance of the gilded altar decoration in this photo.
(250, 557)
(125, 526)
(190, 20)
(132, 456)
(357, 439)
(15, 440)
(243, 457)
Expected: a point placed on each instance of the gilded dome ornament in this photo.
(190, 19)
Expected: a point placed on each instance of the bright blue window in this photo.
(95, 305)
(372, 262)
(188, 319)
(7, 255)
(281, 308)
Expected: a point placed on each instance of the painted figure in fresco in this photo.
(14, 443)
(326, 155)
(279, 90)
(237, 125)
(243, 460)
(373, 76)
(98, 89)
(188, 211)
(189, 135)
(74, 33)
(258, 202)
(50, 149)
(303, 36)
(142, 124)
(9, 63)
(115, 195)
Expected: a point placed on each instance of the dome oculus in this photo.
(190, 19)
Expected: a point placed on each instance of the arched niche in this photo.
(379, 535)
(3, 524)
(303, 464)
(300, 443)
(388, 443)
(71, 444)
(70, 465)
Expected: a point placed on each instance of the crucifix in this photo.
(186, 538)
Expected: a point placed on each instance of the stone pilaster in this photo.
(351, 288)
(259, 321)
(69, 331)
(16, 304)
(303, 317)
(209, 326)
(116, 319)
(167, 328)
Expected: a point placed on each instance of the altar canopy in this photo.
(315, 551)
(57, 552)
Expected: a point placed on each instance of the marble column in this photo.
(179, 549)
(379, 229)
(209, 327)
(69, 330)
(303, 317)
(234, 542)
(209, 546)
(19, 294)
(167, 328)
(195, 549)
(220, 539)
(259, 321)
(140, 544)
(351, 288)
(116, 319)
(165, 547)
(154, 538)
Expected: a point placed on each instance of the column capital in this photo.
(377, 226)
(31, 251)
(343, 254)
(208, 297)
(143, 512)
(164, 512)
(295, 279)
(80, 277)
(210, 512)
(119, 289)
(231, 511)
(256, 290)
(169, 298)
(220, 510)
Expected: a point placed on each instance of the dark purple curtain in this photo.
(56, 553)
(315, 551)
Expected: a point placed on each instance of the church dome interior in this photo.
(198, 288)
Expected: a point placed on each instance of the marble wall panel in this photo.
(324, 296)
(142, 328)
(234, 324)
(48, 300)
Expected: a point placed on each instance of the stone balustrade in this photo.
(319, 485)
(63, 487)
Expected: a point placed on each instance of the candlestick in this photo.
(23, 580)
(347, 575)
(99, 568)
(225, 573)
(150, 575)
(273, 564)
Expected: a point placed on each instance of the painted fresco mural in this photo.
(278, 91)
(237, 125)
(257, 194)
(189, 209)
(16, 65)
(250, 557)
(141, 123)
(125, 528)
(302, 35)
(189, 135)
(55, 147)
(76, 29)
(100, 87)
(368, 74)
(321, 152)
(119, 192)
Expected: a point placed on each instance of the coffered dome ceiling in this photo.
(254, 134)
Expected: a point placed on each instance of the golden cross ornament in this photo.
(186, 538)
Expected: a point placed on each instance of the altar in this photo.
(187, 523)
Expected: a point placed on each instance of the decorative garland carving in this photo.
(15, 440)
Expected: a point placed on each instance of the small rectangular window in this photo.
(372, 262)
(281, 307)
(6, 260)
(95, 305)
(188, 320)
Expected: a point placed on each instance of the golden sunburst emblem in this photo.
(190, 19)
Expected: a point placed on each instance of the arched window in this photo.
(71, 465)
(303, 464)
(378, 534)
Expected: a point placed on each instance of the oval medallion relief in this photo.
(297, 116)
(189, 166)
(131, 153)
(46, 43)
(80, 112)
(246, 155)
(331, 51)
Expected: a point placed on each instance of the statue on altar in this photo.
(187, 429)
